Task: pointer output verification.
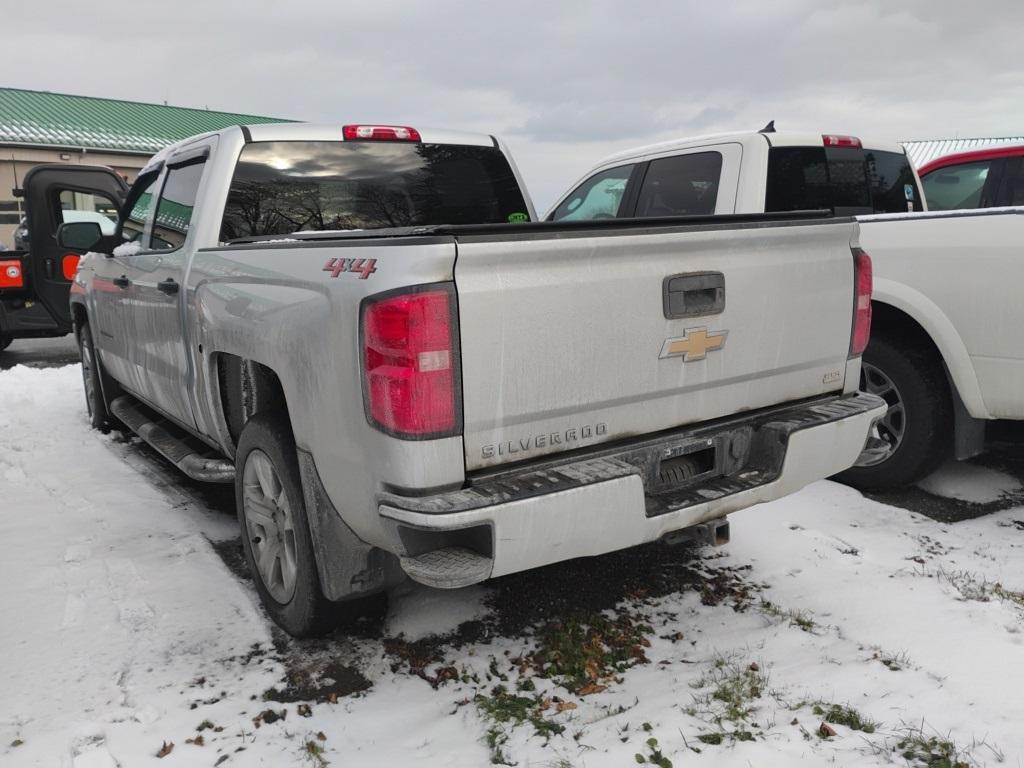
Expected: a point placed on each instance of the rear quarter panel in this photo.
(276, 305)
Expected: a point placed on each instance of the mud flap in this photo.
(348, 566)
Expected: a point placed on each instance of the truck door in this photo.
(55, 194)
(158, 294)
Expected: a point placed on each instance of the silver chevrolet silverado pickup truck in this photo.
(360, 327)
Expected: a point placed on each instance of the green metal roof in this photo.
(60, 119)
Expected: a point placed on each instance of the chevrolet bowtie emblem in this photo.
(695, 345)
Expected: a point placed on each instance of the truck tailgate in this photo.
(568, 338)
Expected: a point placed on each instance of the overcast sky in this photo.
(565, 83)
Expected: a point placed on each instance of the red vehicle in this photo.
(983, 178)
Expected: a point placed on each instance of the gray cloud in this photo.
(564, 82)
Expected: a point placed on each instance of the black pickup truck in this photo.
(34, 283)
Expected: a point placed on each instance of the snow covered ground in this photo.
(124, 630)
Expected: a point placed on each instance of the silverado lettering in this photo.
(542, 441)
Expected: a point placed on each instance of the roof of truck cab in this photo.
(776, 139)
(317, 132)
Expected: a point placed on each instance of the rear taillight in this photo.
(410, 363)
(862, 306)
(379, 133)
(11, 275)
(832, 140)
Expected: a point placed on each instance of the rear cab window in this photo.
(284, 187)
(846, 180)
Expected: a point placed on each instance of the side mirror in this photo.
(79, 235)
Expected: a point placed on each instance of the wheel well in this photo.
(898, 326)
(247, 388)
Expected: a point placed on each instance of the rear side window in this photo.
(281, 187)
(845, 180)
(177, 201)
(599, 197)
(956, 186)
(681, 185)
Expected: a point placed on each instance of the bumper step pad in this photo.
(448, 568)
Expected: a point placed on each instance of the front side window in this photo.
(177, 200)
(282, 187)
(599, 197)
(683, 185)
(956, 186)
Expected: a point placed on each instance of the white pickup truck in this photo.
(358, 327)
(946, 351)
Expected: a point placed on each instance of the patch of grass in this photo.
(844, 715)
(800, 619)
(974, 587)
(654, 756)
(711, 738)
(919, 749)
(932, 750)
(894, 662)
(505, 710)
(732, 688)
(588, 648)
(313, 752)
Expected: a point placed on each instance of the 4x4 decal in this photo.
(362, 267)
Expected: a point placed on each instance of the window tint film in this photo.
(797, 180)
(174, 211)
(956, 186)
(681, 185)
(282, 187)
(846, 180)
(599, 197)
(893, 187)
(143, 192)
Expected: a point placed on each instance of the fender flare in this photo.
(943, 334)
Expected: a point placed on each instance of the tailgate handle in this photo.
(693, 294)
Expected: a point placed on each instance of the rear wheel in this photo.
(92, 373)
(918, 426)
(275, 530)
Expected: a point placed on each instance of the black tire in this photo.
(92, 375)
(5, 341)
(920, 386)
(303, 610)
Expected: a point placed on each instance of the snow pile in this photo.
(969, 482)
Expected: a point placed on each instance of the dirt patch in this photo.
(319, 681)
